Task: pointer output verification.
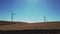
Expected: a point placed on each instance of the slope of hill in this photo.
(28, 26)
(8, 23)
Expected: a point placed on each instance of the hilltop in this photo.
(8, 22)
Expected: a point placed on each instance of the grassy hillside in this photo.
(8, 22)
(28, 26)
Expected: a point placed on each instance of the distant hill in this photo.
(9, 22)
(48, 22)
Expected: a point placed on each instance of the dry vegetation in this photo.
(26, 26)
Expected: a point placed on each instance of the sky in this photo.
(30, 10)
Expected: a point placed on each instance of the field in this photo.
(4, 25)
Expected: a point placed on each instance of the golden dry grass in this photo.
(28, 26)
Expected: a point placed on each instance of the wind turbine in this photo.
(12, 14)
(44, 19)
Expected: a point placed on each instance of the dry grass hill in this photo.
(5, 25)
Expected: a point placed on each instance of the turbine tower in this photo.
(44, 19)
(12, 14)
